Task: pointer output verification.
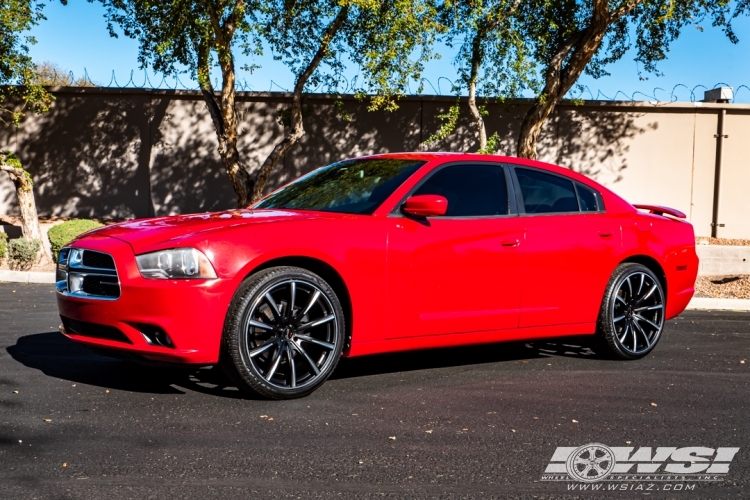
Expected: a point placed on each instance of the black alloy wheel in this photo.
(284, 333)
(631, 318)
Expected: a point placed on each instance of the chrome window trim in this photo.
(512, 211)
(522, 207)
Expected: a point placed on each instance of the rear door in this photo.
(571, 249)
(459, 272)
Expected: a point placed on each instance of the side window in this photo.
(587, 198)
(471, 190)
(546, 193)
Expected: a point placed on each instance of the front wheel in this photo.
(284, 333)
(631, 317)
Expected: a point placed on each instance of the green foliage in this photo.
(3, 245)
(646, 26)
(62, 234)
(18, 90)
(449, 119)
(493, 58)
(493, 144)
(492, 51)
(390, 44)
(22, 253)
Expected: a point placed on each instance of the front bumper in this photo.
(190, 312)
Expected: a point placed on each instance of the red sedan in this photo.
(379, 254)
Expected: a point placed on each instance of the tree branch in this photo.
(296, 119)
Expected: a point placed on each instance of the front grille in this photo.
(98, 260)
(103, 286)
(87, 274)
(94, 330)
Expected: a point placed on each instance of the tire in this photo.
(299, 347)
(631, 318)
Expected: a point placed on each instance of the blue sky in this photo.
(75, 37)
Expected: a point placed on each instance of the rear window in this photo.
(545, 193)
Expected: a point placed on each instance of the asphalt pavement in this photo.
(471, 422)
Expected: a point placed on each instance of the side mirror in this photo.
(425, 205)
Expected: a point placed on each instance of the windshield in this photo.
(350, 186)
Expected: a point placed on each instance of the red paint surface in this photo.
(411, 285)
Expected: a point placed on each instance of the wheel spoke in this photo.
(621, 299)
(625, 333)
(292, 371)
(292, 293)
(315, 341)
(635, 338)
(275, 364)
(263, 348)
(638, 327)
(273, 305)
(638, 317)
(258, 324)
(618, 319)
(318, 322)
(304, 354)
(312, 302)
(630, 287)
(650, 292)
(649, 308)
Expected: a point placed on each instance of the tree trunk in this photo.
(531, 127)
(476, 115)
(27, 205)
(297, 127)
(564, 69)
(477, 57)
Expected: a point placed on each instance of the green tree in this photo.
(18, 94)
(492, 59)
(571, 37)
(388, 39)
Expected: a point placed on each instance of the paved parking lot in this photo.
(477, 422)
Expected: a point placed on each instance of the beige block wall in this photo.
(734, 208)
(131, 153)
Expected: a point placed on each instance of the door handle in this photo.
(605, 234)
(510, 243)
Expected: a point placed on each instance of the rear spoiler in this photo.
(659, 210)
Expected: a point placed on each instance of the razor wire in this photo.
(442, 86)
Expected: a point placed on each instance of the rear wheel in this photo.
(284, 333)
(631, 317)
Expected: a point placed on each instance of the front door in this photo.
(460, 272)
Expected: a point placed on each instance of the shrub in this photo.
(22, 253)
(3, 245)
(62, 234)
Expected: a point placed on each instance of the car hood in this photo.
(145, 234)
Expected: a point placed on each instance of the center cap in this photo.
(288, 332)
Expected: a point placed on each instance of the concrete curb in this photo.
(719, 304)
(27, 277)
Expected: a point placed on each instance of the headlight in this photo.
(175, 263)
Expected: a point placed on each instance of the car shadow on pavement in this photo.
(57, 356)
(463, 356)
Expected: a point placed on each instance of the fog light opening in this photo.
(154, 335)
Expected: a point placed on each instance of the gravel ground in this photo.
(723, 287)
(705, 240)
